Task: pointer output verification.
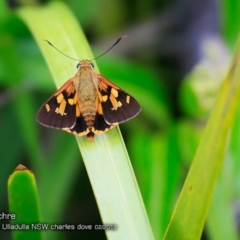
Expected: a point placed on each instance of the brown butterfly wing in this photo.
(80, 127)
(59, 111)
(117, 105)
(100, 125)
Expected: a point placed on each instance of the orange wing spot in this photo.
(114, 92)
(114, 102)
(60, 97)
(61, 108)
(78, 112)
(119, 104)
(104, 98)
(71, 101)
(99, 108)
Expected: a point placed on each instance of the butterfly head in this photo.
(85, 65)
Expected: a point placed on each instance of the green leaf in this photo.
(229, 12)
(23, 202)
(106, 158)
(193, 204)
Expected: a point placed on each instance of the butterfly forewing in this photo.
(59, 111)
(117, 105)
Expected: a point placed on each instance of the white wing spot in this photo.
(128, 99)
(47, 107)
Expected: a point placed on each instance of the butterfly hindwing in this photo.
(100, 125)
(117, 105)
(59, 111)
(80, 127)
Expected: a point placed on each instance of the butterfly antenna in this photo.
(109, 48)
(91, 59)
(61, 51)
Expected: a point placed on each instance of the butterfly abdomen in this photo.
(87, 90)
(88, 113)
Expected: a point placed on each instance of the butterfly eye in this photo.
(78, 66)
(92, 65)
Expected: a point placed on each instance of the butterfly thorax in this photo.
(87, 94)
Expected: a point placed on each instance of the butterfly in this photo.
(87, 104)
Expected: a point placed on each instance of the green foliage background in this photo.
(161, 144)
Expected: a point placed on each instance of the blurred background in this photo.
(173, 61)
